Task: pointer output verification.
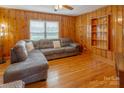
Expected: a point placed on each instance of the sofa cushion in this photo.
(35, 54)
(65, 42)
(29, 46)
(51, 51)
(56, 44)
(36, 44)
(69, 49)
(20, 51)
(46, 43)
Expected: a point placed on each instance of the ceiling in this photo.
(78, 9)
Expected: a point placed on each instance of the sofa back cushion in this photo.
(46, 43)
(13, 57)
(36, 44)
(20, 51)
(65, 42)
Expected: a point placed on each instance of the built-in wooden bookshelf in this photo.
(100, 32)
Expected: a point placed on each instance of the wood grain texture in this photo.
(82, 71)
(18, 22)
(115, 31)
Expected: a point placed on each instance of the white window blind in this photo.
(52, 29)
(44, 30)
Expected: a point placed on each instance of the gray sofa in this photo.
(33, 66)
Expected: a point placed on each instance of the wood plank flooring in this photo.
(82, 71)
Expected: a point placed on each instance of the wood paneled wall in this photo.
(118, 26)
(77, 28)
(17, 25)
(83, 29)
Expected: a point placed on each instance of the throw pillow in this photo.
(29, 46)
(56, 44)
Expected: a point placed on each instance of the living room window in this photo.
(44, 29)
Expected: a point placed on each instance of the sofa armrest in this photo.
(75, 45)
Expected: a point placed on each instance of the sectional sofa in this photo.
(33, 66)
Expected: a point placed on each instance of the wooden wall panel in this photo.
(123, 30)
(81, 30)
(115, 30)
(18, 21)
(66, 28)
(118, 28)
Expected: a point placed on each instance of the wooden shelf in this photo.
(94, 25)
(99, 47)
(94, 39)
(99, 39)
(100, 32)
(103, 24)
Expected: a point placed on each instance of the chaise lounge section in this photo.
(29, 68)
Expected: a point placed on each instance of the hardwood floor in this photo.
(82, 71)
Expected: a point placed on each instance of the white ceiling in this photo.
(78, 9)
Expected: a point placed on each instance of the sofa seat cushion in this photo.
(35, 63)
(69, 49)
(51, 51)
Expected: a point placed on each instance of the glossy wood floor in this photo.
(82, 71)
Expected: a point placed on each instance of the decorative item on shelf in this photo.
(2, 34)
